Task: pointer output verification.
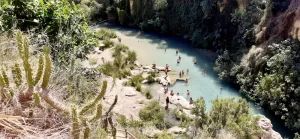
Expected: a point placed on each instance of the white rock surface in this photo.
(150, 131)
(176, 130)
(266, 125)
(180, 100)
(129, 91)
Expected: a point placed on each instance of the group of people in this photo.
(181, 73)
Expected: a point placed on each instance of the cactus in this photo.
(87, 130)
(96, 100)
(2, 84)
(5, 78)
(40, 70)
(114, 132)
(16, 72)
(47, 71)
(98, 113)
(37, 100)
(23, 49)
(75, 125)
(44, 71)
(20, 43)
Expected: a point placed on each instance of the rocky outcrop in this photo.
(176, 130)
(265, 124)
(151, 131)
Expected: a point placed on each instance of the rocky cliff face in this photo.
(266, 125)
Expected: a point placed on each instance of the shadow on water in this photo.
(204, 85)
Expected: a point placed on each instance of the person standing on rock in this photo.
(167, 103)
(191, 101)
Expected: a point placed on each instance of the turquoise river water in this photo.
(150, 49)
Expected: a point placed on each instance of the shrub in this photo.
(107, 44)
(119, 49)
(105, 33)
(93, 61)
(139, 87)
(154, 113)
(151, 78)
(131, 57)
(135, 81)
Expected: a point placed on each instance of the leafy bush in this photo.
(105, 33)
(66, 32)
(135, 81)
(107, 44)
(151, 78)
(93, 61)
(153, 112)
(131, 57)
(119, 49)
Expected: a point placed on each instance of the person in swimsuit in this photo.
(188, 93)
(195, 61)
(178, 61)
(191, 101)
(177, 51)
(179, 57)
(186, 80)
(182, 72)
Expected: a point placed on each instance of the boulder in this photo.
(265, 124)
(180, 100)
(137, 63)
(176, 130)
(129, 91)
(150, 131)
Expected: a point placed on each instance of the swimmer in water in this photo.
(187, 70)
(178, 61)
(188, 93)
(195, 61)
(177, 51)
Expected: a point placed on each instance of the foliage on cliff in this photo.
(59, 24)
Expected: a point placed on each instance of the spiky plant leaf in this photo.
(17, 76)
(47, 70)
(40, 70)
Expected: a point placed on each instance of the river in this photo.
(150, 49)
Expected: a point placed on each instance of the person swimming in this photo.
(188, 93)
(178, 61)
(177, 51)
(195, 61)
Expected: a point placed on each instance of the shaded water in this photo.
(150, 49)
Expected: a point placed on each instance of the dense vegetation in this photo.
(228, 114)
(267, 73)
(265, 65)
